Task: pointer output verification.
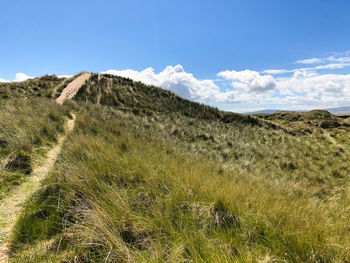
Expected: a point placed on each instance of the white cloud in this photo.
(250, 81)
(276, 71)
(174, 78)
(314, 90)
(338, 65)
(310, 61)
(18, 77)
(304, 89)
(301, 74)
(338, 58)
(65, 76)
(342, 59)
(21, 77)
(332, 66)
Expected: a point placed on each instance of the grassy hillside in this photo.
(147, 176)
(127, 189)
(48, 86)
(140, 99)
(307, 121)
(27, 130)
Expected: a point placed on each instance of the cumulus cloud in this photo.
(315, 90)
(21, 77)
(305, 88)
(18, 77)
(250, 81)
(175, 78)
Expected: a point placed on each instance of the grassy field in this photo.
(28, 128)
(147, 176)
(160, 187)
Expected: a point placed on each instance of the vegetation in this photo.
(27, 130)
(306, 122)
(147, 176)
(48, 86)
(140, 99)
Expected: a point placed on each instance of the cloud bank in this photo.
(314, 85)
(301, 87)
(175, 78)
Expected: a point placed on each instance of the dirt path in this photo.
(330, 138)
(11, 206)
(72, 88)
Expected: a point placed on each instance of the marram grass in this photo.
(156, 188)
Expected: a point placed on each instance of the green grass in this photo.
(160, 187)
(140, 99)
(306, 122)
(28, 128)
(48, 86)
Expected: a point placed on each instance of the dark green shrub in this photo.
(327, 124)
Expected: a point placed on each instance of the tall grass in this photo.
(48, 86)
(129, 188)
(27, 130)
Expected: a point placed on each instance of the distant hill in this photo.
(335, 111)
(262, 111)
(339, 110)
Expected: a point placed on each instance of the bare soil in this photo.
(72, 88)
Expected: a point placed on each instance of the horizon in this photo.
(236, 56)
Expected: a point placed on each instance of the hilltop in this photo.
(147, 176)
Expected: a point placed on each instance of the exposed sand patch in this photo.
(72, 88)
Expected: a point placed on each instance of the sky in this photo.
(235, 55)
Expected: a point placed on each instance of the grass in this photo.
(48, 86)
(140, 99)
(28, 128)
(306, 122)
(135, 186)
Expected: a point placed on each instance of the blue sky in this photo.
(216, 52)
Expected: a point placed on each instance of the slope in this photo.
(12, 204)
(150, 177)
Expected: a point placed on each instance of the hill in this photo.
(140, 99)
(147, 176)
(48, 86)
(335, 111)
(306, 122)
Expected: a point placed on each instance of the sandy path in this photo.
(72, 88)
(11, 206)
(331, 139)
